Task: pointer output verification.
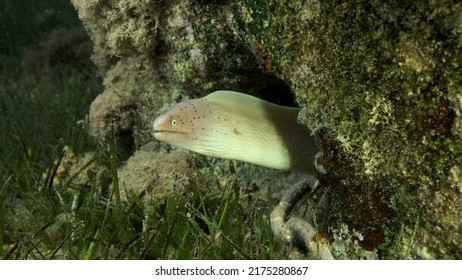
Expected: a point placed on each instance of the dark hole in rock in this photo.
(268, 87)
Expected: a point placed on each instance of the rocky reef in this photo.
(380, 83)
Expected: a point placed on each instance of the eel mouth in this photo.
(164, 135)
(163, 132)
(168, 131)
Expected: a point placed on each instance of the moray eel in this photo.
(233, 125)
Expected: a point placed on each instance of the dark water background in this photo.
(25, 23)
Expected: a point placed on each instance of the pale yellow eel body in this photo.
(233, 125)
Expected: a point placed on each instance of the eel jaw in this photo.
(169, 136)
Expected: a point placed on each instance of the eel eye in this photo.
(173, 122)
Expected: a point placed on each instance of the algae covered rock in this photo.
(380, 84)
